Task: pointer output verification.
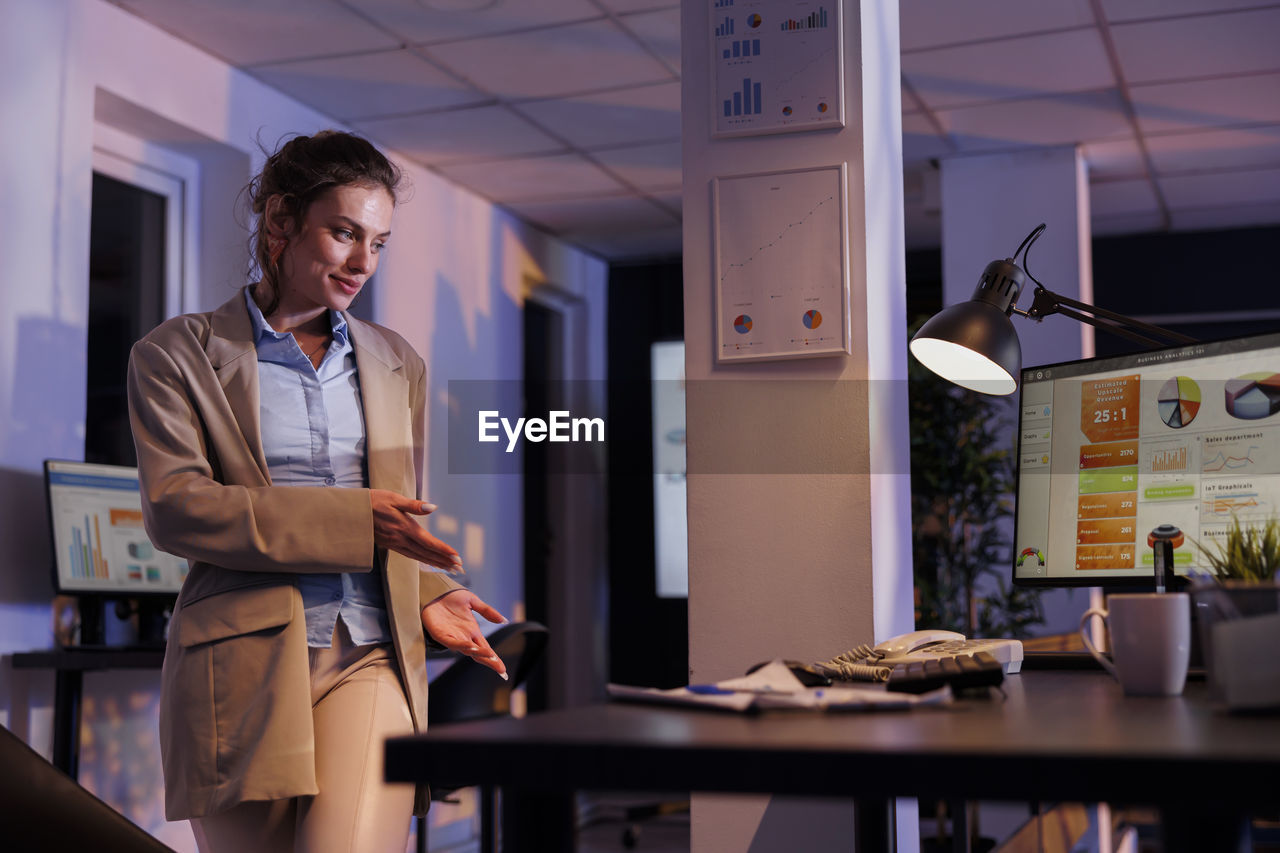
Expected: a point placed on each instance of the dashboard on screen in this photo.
(1111, 449)
(99, 544)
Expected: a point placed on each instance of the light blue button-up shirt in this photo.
(313, 434)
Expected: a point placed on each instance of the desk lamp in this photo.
(974, 344)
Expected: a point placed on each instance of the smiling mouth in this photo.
(348, 286)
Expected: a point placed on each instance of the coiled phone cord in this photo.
(861, 663)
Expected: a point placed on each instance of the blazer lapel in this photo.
(385, 394)
(233, 355)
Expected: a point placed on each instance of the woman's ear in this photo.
(278, 217)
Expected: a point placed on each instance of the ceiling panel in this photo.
(1016, 68)
(534, 179)
(601, 214)
(1130, 223)
(458, 135)
(1114, 158)
(660, 31)
(249, 31)
(640, 114)
(929, 23)
(1181, 48)
(1208, 103)
(1112, 198)
(1231, 216)
(1059, 120)
(554, 61)
(1219, 149)
(1219, 189)
(367, 84)
(638, 5)
(1127, 10)
(418, 23)
(920, 141)
(647, 167)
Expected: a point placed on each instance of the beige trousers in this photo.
(357, 702)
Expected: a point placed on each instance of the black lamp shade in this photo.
(972, 344)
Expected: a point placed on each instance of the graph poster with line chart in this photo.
(98, 538)
(781, 264)
(778, 66)
(1109, 449)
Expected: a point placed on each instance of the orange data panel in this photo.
(1112, 505)
(1105, 531)
(1104, 557)
(1108, 455)
(1109, 408)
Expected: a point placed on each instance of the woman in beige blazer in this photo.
(271, 738)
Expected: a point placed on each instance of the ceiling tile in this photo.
(626, 245)
(1127, 10)
(607, 118)
(1016, 68)
(1219, 149)
(920, 141)
(1221, 188)
(1231, 216)
(646, 167)
(367, 84)
(531, 179)
(1114, 158)
(416, 22)
(1212, 103)
(553, 61)
(660, 31)
(458, 135)
(250, 31)
(595, 215)
(929, 23)
(1129, 223)
(1113, 198)
(1181, 48)
(1058, 120)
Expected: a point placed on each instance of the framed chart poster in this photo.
(779, 66)
(781, 264)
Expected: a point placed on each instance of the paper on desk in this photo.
(773, 686)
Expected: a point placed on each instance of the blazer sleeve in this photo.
(431, 584)
(188, 512)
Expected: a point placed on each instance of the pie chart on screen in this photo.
(1178, 401)
(1253, 396)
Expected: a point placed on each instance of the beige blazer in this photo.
(235, 699)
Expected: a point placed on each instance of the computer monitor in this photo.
(99, 544)
(1111, 449)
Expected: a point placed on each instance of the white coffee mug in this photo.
(1150, 641)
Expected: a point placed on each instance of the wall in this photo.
(453, 283)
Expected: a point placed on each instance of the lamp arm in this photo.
(1046, 302)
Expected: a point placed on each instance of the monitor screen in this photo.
(1111, 449)
(99, 545)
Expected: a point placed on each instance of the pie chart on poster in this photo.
(1178, 401)
(812, 319)
(742, 324)
(1253, 396)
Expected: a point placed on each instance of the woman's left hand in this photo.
(450, 623)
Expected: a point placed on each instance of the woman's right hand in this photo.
(395, 529)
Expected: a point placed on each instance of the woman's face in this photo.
(336, 249)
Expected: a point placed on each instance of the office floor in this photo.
(613, 823)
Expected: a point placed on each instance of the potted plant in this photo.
(1238, 613)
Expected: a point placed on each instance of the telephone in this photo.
(873, 663)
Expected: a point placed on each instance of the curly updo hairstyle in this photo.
(301, 171)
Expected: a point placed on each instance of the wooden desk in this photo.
(1058, 736)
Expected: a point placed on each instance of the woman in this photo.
(280, 450)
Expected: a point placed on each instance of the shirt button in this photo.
(329, 481)
(337, 596)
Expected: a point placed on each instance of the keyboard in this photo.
(1007, 652)
(960, 672)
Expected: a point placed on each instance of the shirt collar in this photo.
(263, 333)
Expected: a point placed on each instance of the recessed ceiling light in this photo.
(459, 5)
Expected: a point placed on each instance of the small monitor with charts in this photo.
(99, 544)
(1181, 440)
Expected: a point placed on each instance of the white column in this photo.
(989, 203)
(796, 564)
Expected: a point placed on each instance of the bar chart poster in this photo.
(781, 265)
(778, 66)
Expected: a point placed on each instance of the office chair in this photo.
(42, 808)
(467, 691)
